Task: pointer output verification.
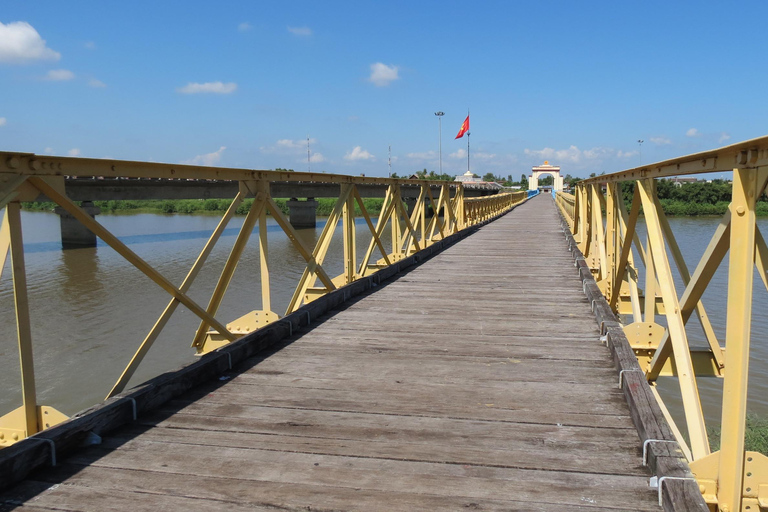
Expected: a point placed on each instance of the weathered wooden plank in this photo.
(278, 496)
(349, 473)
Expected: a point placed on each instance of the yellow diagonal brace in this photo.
(5, 243)
(705, 270)
(10, 189)
(173, 304)
(128, 254)
(23, 324)
(626, 250)
(375, 239)
(402, 211)
(308, 276)
(289, 230)
(232, 260)
(687, 378)
(381, 225)
(709, 332)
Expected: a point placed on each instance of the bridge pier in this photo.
(73, 234)
(302, 214)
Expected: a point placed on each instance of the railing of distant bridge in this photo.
(24, 177)
(606, 233)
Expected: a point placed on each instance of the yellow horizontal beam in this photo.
(30, 164)
(743, 155)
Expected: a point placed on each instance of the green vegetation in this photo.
(324, 206)
(692, 199)
(755, 439)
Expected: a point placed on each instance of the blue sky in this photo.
(242, 84)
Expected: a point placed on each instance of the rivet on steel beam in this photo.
(12, 162)
(740, 210)
(34, 165)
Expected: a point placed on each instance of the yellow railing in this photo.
(25, 177)
(606, 233)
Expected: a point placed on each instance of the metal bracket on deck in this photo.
(649, 441)
(621, 375)
(658, 482)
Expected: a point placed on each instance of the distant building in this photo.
(679, 182)
(468, 177)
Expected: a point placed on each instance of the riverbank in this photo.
(755, 436)
(324, 206)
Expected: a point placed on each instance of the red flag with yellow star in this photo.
(464, 128)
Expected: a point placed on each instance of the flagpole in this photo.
(468, 142)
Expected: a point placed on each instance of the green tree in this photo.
(546, 180)
(489, 177)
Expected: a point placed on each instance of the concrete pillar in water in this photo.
(302, 214)
(73, 233)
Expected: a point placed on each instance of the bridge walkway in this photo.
(475, 381)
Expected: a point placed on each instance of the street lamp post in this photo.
(440, 115)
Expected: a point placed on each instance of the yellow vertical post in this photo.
(610, 237)
(737, 337)
(266, 297)
(23, 326)
(395, 223)
(422, 207)
(348, 227)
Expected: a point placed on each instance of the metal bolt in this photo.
(12, 162)
(740, 210)
(34, 165)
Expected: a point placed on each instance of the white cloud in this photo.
(692, 132)
(208, 87)
(48, 151)
(627, 154)
(20, 43)
(96, 83)
(572, 155)
(723, 137)
(317, 158)
(73, 152)
(460, 153)
(660, 141)
(300, 31)
(358, 153)
(288, 146)
(483, 156)
(244, 27)
(59, 75)
(208, 159)
(382, 75)
(90, 45)
(426, 155)
(3, 121)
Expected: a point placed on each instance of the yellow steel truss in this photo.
(730, 479)
(24, 177)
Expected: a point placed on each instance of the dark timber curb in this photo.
(665, 459)
(43, 449)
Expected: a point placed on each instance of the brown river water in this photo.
(90, 308)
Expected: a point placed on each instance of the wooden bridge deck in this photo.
(476, 381)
